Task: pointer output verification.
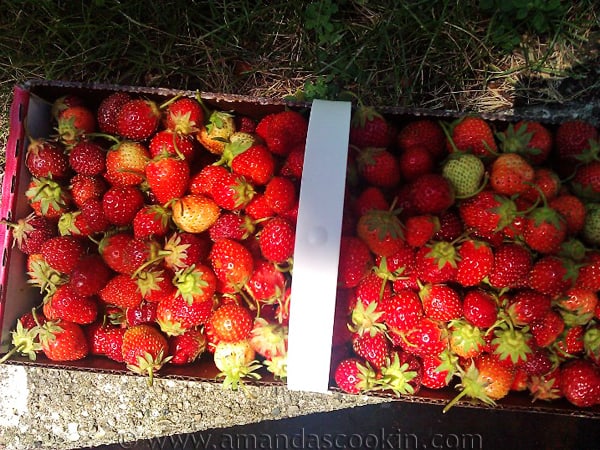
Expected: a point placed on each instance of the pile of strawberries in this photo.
(159, 232)
(470, 258)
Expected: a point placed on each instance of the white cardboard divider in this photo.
(316, 254)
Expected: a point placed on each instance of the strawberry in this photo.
(466, 340)
(145, 350)
(552, 275)
(441, 302)
(46, 159)
(183, 116)
(66, 304)
(370, 197)
(472, 134)
(381, 231)
(432, 193)
(231, 323)
(372, 289)
(89, 275)
(64, 102)
(236, 361)
(591, 226)
(570, 342)
(31, 232)
(277, 239)
(126, 163)
(232, 263)
(74, 122)
(465, 172)
(232, 192)
(420, 229)
(269, 339)
(256, 164)
(369, 128)
(488, 212)
(475, 261)
(526, 306)
(589, 272)
(280, 194)
(378, 167)
(108, 110)
(48, 198)
(62, 340)
(415, 161)
(105, 339)
(580, 382)
(353, 377)
(173, 144)
(545, 230)
(532, 140)
(138, 119)
(373, 347)
(167, 177)
(428, 337)
(87, 158)
(572, 139)
(425, 133)
(402, 374)
(572, 209)
(92, 214)
(194, 213)
(355, 261)
(451, 226)
(196, 283)
(283, 131)
(293, 164)
(218, 130)
(435, 373)
(176, 315)
(202, 182)
(145, 312)
(233, 226)
(267, 283)
(402, 310)
(151, 221)
(155, 284)
(436, 262)
(184, 249)
(547, 330)
(546, 184)
(112, 250)
(511, 174)
(187, 347)
(84, 187)
(512, 264)
(121, 290)
(577, 305)
(485, 379)
(121, 203)
(62, 253)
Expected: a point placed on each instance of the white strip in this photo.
(316, 254)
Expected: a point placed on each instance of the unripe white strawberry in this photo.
(465, 172)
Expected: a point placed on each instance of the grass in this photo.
(426, 53)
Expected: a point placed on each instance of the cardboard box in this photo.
(317, 246)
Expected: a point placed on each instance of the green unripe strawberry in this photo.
(591, 227)
(465, 172)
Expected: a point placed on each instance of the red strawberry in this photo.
(373, 347)
(145, 312)
(176, 315)
(138, 119)
(572, 209)
(451, 226)
(586, 182)
(121, 290)
(48, 198)
(63, 341)
(232, 226)
(511, 174)
(232, 192)
(545, 230)
(63, 102)
(83, 188)
(572, 139)
(441, 302)
(256, 164)
(420, 229)
(436, 262)
(475, 261)
(173, 144)
(145, 350)
(415, 161)
(187, 347)
(435, 375)
(368, 128)
(267, 283)
(92, 214)
(183, 116)
(283, 131)
(232, 263)
(167, 177)
(353, 377)
(89, 275)
(185, 249)
(105, 340)
(108, 110)
(488, 212)
(480, 308)
(87, 158)
(231, 323)
(112, 248)
(552, 275)
(428, 337)
(432, 193)
(121, 203)
(381, 231)
(151, 221)
(74, 122)
(294, 163)
(425, 133)
(277, 239)
(46, 159)
(472, 134)
(547, 330)
(202, 182)
(526, 306)
(62, 253)
(126, 163)
(529, 139)
(402, 311)
(31, 232)
(355, 261)
(512, 264)
(580, 383)
(66, 304)
(155, 284)
(280, 194)
(378, 167)
(546, 184)
(589, 272)
(370, 198)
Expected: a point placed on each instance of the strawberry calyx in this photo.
(48, 192)
(512, 343)
(277, 365)
(24, 341)
(466, 338)
(516, 140)
(396, 376)
(147, 364)
(190, 283)
(443, 252)
(470, 386)
(591, 342)
(366, 319)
